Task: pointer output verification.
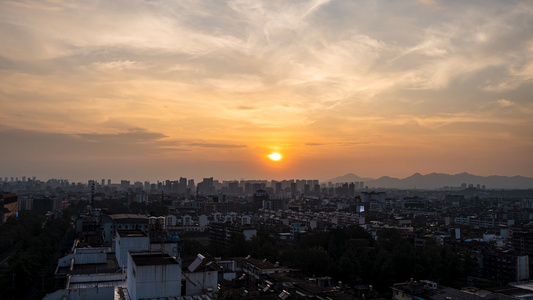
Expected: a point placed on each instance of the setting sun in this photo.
(274, 156)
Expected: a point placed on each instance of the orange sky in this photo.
(153, 90)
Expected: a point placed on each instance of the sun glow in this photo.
(274, 156)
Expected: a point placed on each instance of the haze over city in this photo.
(147, 90)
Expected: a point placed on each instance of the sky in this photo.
(155, 89)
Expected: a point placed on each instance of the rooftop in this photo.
(131, 233)
(111, 266)
(260, 264)
(514, 291)
(149, 259)
(129, 218)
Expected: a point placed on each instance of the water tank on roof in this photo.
(161, 222)
(152, 221)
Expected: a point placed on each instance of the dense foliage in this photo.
(353, 256)
(39, 243)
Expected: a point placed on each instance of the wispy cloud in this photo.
(132, 136)
(209, 145)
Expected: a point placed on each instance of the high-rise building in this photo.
(351, 189)
(208, 185)
(233, 187)
(182, 186)
(294, 189)
(278, 188)
(259, 197)
(124, 184)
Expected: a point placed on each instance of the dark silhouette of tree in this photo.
(353, 256)
(40, 241)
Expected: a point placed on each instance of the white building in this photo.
(130, 241)
(171, 220)
(153, 275)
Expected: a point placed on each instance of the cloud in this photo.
(210, 145)
(504, 103)
(132, 136)
(244, 107)
(120, 65)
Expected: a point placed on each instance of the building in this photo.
(256, 268)
(8, 206)
(505, 266)
(44, 204)
(522, 242)
(209, 207)
(130, 241)
(138, 269)
(153, 275)
(221, 233)
(112, 223)
(260, 196)
(429, 290)
(200, 277)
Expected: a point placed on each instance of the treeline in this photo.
(262, 245)
(10, 234)
(39, 243)
(353, 256)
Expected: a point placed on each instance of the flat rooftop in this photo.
(111, 266)
(129, 218)
(149, 259)
(131, 233)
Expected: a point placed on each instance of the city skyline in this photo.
(432, 181)
(159, 89)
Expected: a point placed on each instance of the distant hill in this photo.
(350, 177)
(439, 180)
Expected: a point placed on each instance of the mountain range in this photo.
(439, 180)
